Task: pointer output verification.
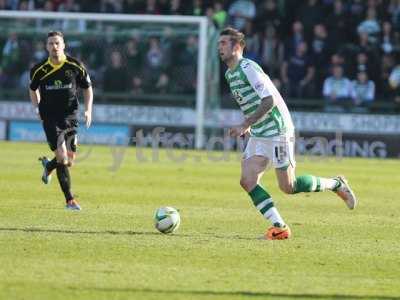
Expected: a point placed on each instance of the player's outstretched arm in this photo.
(88, 98)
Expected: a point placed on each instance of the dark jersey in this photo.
(58, 85)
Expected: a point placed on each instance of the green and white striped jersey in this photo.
(249, 84)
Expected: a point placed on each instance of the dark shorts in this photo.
(61, 130)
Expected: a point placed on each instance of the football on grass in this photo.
(167, 219)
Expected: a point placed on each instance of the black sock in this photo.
(65, 181)
(51, 165)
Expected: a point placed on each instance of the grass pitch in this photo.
(110, 250)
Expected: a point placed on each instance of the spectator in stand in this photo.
(163, 85)
(94, 56)
(72, 25)
(69, 6)
(136, 85)
(394, 81)
(115, 79)
(241, 11)
(168, 42)
(39, 51)
(387, 39)
(3, 6)
(298, 73)
(210, 18)
(252, 50)
(56, 3)
(362, 92)
(47, 24)
(338, 25)
(361, 64)
(370, 26)
(154, 58)
(378, 6)
(272, 52)
(356, 10)
(321, 51)
(151, 7)
(365, 46)
(356, 13)
(186, 68)
(26, 5)
(368, 54)
(394, 10)
(310, 14)
(39, 4)
(196, 8)
(336, 91)
(14, 4)
(3, 79)
(383, 87)
(296, 38)
(155, 64)
(267, 15)
(134, 56)
(336, 60)
(111, 6)
(9, 63)
(49, 6)
(220, 15)
(176, 8)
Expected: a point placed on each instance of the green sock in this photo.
(263, 202)
(310, 183)
(307, 183)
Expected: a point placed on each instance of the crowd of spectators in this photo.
(343, 51)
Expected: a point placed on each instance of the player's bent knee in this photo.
(62, 162)
(248, 183)
(71, 159)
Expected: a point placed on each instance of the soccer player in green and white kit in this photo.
(268, 122)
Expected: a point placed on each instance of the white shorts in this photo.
(278, 149)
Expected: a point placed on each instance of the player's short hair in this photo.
(55, 33)
(235, 35)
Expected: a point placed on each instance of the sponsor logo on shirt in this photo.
(259, 86)
(245, 65)
(69, 73)
(58, 85)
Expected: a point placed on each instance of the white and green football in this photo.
(167, 219)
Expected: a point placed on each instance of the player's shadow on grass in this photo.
(67, 231)
(238, 294)
(127, 232)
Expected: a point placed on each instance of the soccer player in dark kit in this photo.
(53, 92)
